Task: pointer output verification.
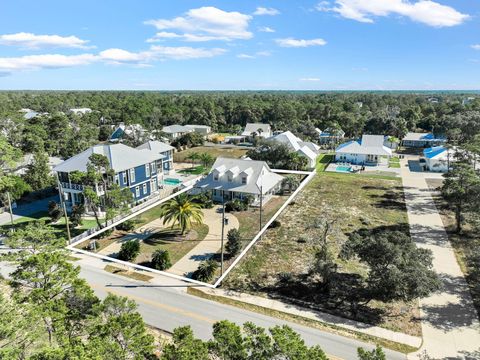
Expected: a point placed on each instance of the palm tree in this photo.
(182, 211)
(290, 182)
(193, 157)
(206, 159)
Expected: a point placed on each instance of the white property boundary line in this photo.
(265, 227)
(128, 217)
(183, 278)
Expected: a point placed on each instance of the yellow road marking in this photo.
(156, 304)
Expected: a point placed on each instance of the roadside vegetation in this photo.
(311, 259)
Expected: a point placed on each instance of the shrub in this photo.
(128, 225)
(234, 243)
(275, 224)
(129, 250)
(76, 215)
(206, 270)
(235, 205)
(54, 211)
(161, 260)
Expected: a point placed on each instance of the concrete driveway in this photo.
(450, 325)
(209, 246)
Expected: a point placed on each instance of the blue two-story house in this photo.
(162, 149)
(140, 170)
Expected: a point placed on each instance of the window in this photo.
(244, 179)
(124, 177)
(153, 185)
(117, 179)
(215, 177)
(147, 170)
(230, 178)
(154, 167)
(132, 175)
(137, 191)
(145, 189)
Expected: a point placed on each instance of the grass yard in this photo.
(59, 227)
(323, 160)
(196, 170)
(394, 162)
(214, 151)
(464, 244)
(132, 274)
(170, 240)
(354, 202)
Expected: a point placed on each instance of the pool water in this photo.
(344, 168)
(170, 181)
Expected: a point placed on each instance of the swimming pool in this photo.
(343, 168)
(172, 182)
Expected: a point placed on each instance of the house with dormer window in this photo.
(140, 170)
(236, 178)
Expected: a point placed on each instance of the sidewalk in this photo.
(317, 316)
(450, 323)
(207, 247)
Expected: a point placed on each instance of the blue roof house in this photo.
(438, 158)
(140, 170)
(421, 140)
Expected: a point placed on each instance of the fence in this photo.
(148, 205)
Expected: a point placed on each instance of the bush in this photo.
(235, 205)
(161, 260)
(128, 225)
(234, 243)
(275, 224)
(76, 215)
(54, 211)
(129, 250)
(206, 270)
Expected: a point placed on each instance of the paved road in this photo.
(169, 307)
(27, 209)
(450, 323)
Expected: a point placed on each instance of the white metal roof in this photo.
(260, 177)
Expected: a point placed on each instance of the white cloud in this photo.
(49, 61)
(266, 29)
(204, 24)
(141, 59)
(291, 42)
(245, 56)
(475, 47)
(311, 79)
(424, 11)
(257, 54)
(158, 53)
(33, 41)
(266, 11)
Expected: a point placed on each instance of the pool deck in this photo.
(332, 167)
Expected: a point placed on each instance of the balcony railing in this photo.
(78, 187)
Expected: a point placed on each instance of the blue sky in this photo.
(240, 45)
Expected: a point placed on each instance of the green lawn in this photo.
(323, 160)
(196, 170)
(353, 202)
(59, 227)
(214, 151)
(394, 162)
(171, 240)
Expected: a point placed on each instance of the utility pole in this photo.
(10, 208)
(62, 200)
(261, 206)
(223, 230)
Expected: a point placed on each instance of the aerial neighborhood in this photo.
(255, 213)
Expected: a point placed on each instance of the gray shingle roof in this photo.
(120, 156)
(156, 146)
